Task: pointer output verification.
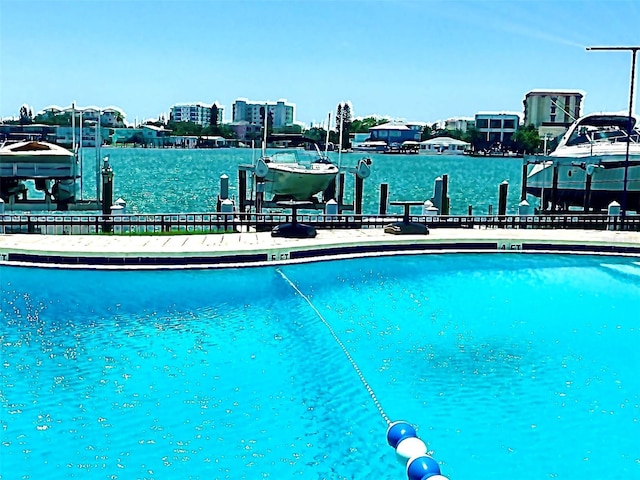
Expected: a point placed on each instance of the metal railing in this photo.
(216, 222)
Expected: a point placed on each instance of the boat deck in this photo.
(258, 249)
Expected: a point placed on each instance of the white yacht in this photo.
(589, 165)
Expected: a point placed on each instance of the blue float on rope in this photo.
(421, 468)
(398, 431)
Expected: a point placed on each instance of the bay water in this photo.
(188, 180)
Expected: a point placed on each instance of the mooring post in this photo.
(107, 193)
(587, 192)
(554, 188)
(242, 189)
(107, 186)
(224, 191)
(384, 198)
(502, 198)
(330, 192)
(340, 198)
(614, 212)
(358, 195)
(523, 191)
(259, 196)
(227, 208)
(445, 193)
(437, 194)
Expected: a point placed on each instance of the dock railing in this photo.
(216, 222)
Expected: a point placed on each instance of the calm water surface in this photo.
(168, 180)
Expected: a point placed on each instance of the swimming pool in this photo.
(504, 363)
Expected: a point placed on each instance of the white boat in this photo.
(54, 170)
(589, 165)
(370, 146)
(295, 174)
(444, 146)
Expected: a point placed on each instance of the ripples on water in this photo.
(175, 180)
(506, 364)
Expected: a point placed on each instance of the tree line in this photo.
(525, 140)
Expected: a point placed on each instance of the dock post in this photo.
(437, 194)
(614, 216)
(587, 193)
(224, 191)
(357, 199)
(107, 192)
(107, 187)
(259, 196)
(1, 213)
(227, 208)
(384, 198)
(523, 191)
(470, 210)
(331, 210)
(340, 198)
(242, 189)
(330, 192)
(224, 186)
(445, 193)
(502, 198)
(554, 188)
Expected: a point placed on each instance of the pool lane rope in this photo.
(410, 450)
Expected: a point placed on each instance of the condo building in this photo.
(198, 113)
(552, 111)
(283, 113)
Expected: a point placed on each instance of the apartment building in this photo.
(552, 111)
(283, 113)
(198, 113)
(459, 123)
(496, 128)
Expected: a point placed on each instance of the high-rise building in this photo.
(198, 113)
(283, 113)
(552, 111)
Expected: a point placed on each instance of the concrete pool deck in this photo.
(254, 249)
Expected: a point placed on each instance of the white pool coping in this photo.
(256, 249)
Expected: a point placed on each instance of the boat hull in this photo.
(287, 181)
(30, 160)
(591, 182)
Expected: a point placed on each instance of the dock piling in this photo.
(502, 198)
(384, 198)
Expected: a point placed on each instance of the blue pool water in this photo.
(509, 366)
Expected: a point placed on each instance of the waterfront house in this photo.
(395, 133)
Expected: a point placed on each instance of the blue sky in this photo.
(419, 60)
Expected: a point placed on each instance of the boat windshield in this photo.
(589, 134)
(304, 157)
